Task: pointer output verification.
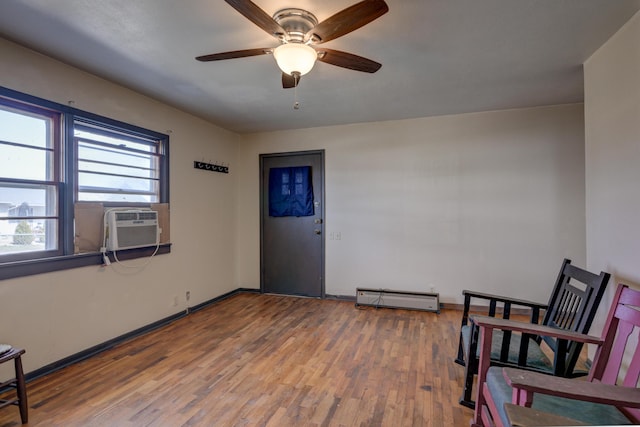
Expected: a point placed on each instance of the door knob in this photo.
(317, 231)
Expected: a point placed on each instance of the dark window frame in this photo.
(38, 262)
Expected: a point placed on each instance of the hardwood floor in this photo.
(264, 360)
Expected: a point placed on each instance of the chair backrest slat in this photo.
(567, 309)
(631, 298)
(617, 361)
(613, 365)
(629, 323)
(633, 371)
(580, 274)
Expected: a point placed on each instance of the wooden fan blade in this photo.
(234, 54)
(253, 13)
(347, 20)
(348, 60)
(289, 81)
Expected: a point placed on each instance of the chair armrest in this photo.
(493, 300)
(562, 337)
(534, 329)
(573, 389)
(504, 299)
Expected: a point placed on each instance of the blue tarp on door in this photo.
(290, 191)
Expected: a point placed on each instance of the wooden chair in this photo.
(572, 306)
(18, 383)
(609, 396)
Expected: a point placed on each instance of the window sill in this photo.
(11, 270)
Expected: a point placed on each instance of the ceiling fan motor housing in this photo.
(296, 22)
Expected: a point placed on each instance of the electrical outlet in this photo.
(188, 295)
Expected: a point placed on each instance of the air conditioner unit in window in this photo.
(128, 229)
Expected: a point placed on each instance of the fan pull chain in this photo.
(296, 104)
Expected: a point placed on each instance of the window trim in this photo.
(67, 187)
(14, 269)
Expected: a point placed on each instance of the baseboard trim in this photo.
(92, 351)
(341, 297)
(222, 297)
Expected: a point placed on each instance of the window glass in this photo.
(26, 146)
(21, 127)
(28, 200)
(116, 167)
(28, 189)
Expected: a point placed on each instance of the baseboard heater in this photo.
(398, 299)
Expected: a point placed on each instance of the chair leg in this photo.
(460, 359)
(465, 320)
(487, 421)
(470, 370)
(486, 336)
(22, 391)
(467, 389)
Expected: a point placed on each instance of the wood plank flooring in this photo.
(265, 360)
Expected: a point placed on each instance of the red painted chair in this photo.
(610, 396)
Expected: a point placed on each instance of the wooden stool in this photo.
(18, 382)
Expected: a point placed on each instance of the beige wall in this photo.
(612, 123)
(58, 314)
(490, 201)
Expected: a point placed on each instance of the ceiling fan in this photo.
(299, 33)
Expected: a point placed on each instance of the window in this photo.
(29, 181)
(52, 156)
(290, 191)
(116, 167)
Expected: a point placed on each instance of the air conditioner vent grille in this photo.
(147, 215)
(126, 216)
(132, 229)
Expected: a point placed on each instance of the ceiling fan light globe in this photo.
(295, 58)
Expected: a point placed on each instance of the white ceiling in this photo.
(438, 56)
